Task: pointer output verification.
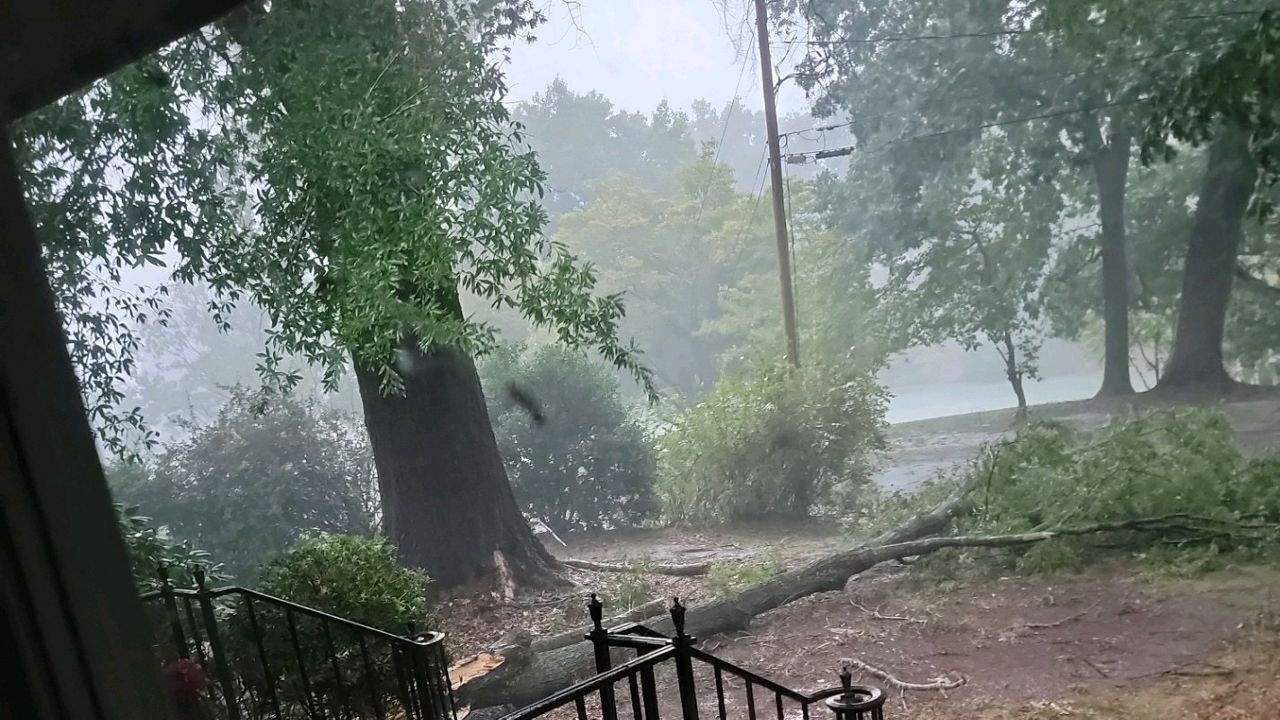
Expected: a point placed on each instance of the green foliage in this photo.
(1151, 465)
(586, 464)
(770, 441)
(350, 184)
(356, 578)
(116, 175)
(726, 579)
(150, 548)
(631, 588)
(266, 471)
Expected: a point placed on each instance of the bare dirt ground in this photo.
(1082, 645)
(1107, 643)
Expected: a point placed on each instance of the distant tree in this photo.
(669, 254)
(265, 472)
(583, 463)
(582, 141)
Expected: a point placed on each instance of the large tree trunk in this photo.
(1111, 171)
(446, 501)
(1196, 359)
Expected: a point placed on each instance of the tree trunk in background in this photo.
(446, 501)
(1014, 373)
(1196, 359)
(1111, 170)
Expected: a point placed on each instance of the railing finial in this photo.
(198, 573)
(677, 615)
(846, 678)
(596, 608)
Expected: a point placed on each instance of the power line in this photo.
(1003, 32)
(849, 150)
(724, 131)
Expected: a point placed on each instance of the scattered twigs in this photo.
(878, 616)
(941, 683)
(1063, 621)
(676, 570)
(1094, 667)
(1193, 669)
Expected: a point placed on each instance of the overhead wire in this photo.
(1003, 32)
(724, 130)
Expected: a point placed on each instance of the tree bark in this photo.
(1196, 359)
(1014, 373)
(1111, 172)
(446, 501)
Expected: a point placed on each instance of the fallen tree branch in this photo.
(557, 662)
(538, 674)
(1063, 621)
(676, 570)
(941, 683)
(876, 614)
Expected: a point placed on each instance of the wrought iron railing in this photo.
(270, 658)
(641, 698)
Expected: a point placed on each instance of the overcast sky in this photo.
(640, 52)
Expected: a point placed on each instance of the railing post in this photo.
(216, 648)
(684, 663)
(432, 678)
(856, 702)
(171, 607)
(599, 638)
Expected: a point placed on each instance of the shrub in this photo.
(356, 578)
(771, 442)
(267, 471)
(150, 547)
(587, 464)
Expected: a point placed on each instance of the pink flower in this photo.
(186, 679)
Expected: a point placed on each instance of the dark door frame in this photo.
(73, 642)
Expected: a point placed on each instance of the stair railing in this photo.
(266, 657)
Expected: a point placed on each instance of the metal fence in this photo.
(265, 657)
(631, 688)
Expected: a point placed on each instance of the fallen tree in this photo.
(534, 671)
(688, 570)
(534, 674)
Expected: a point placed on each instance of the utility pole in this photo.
(775, 172)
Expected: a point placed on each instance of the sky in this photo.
(641, 52)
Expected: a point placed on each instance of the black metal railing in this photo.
(265, 657)
(640, 698)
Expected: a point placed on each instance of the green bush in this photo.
(356, 578)
(586, 464)
(150, 547)
(1051, 475)
(771, 441)
(267, 471)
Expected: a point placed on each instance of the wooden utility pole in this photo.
(775, 173)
